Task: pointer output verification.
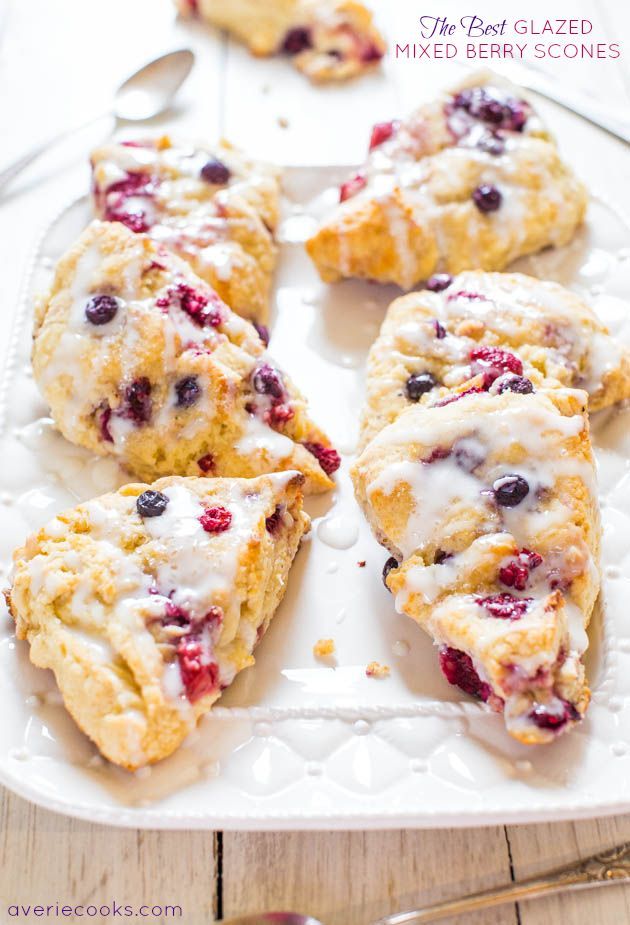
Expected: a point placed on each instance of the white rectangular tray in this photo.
(296, 743)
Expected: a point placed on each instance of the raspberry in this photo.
(352, 186)
(505, 606)
(216, 519)
(327, 456)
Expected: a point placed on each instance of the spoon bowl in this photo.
(150, 90)
(146, 93)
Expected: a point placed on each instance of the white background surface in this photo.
(57, 62)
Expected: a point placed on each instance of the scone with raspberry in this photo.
(140, 359)
(488, 507)
(489, 332)
(214, 207)
(470, 181)
(326, 39)
(147, 602)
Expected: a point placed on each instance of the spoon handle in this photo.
(11, 172)
(599, 870)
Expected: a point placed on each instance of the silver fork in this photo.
(603, 869)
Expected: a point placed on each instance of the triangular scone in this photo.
(212, 206)
(469, 181)
(493, 332)
(488, 506)
(326, 39)
(146, 602)
(140, 359)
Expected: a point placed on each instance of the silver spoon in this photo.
(148, 92)
(608, 867)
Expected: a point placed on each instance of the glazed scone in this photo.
(489, 331)
(470, 181)
(488, 506)
(326, 39)
(212, 206)
(146, 602)
(140, 359)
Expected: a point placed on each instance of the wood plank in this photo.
(536, 848)
(350, 878)
(46, 858)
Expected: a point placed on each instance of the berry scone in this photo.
(488, 332)
(488, 507)
(326, 39)
(139, 359)
(470, 181)
(212, 206)
(147, 602)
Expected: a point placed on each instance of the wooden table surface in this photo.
(58, 61)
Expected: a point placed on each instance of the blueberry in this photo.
(519, 384)
(487, 198)
(263, 332)
(151, 503)
(389, 565)
(492, 144)
(297, 40)
(418, 384)
(438, 282)
(215, 171)
(510, 490)
(187, 391)
(137, 404)
(101, 309)
(268, 381)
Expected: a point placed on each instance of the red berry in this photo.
(458, 669)
(216, 519)
(206, 463)
(200, 675)
(505, 606)
(493, 362)
(381, 132)
(328, 457)
(352, 186)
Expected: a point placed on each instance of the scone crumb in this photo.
(376, 670)
(324, 647)
(283, 122)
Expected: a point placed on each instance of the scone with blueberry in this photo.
(488, 508)
(489, 332)
(212, 206)
(326, 39)
(147, 602)
(470, 181)
(140, 359)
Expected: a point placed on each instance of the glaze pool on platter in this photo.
(296, 743)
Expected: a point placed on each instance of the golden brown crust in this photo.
(413, 208)
(428, 485)
(327, 39)
(92, 595)
(551, 332)
(221, 221)
(116, 388)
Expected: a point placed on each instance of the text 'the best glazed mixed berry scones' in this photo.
(470, 181)
(138, 358)
(214, 207)
(146, 602)
(489, 332)
(326, 39)
(488, 507)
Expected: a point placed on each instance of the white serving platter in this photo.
(297, 743)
